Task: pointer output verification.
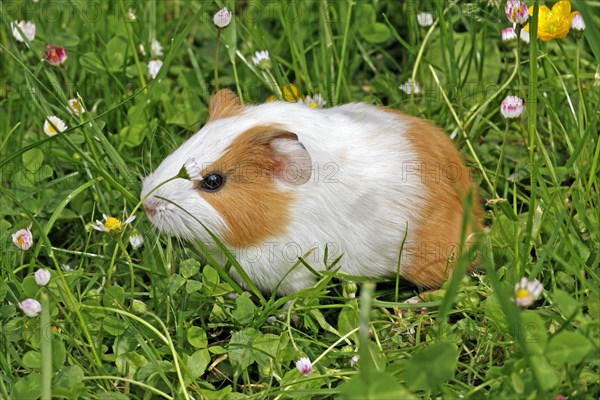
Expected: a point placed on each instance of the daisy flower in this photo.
(222, 18)
(154, 67)
(526, 291)
(262, 60)
(111, 224)
(42, 277)
(578, 24)
(317, 101)
(54, 125)
(23, 239)
(516, 11)
(190, 170)
(304, 366)
(512, 107)
(136, 240)
(131, 15)
(156, 48)
(410, 87)
(509, 34)
(425, 19)
(27, 27)
(31, 307)
(55, 55)
(75, 107)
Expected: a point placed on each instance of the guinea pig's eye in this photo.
(212, 182)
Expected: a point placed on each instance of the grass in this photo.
(161, 321)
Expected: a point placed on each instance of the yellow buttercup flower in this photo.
(555, 23)
(291, 93)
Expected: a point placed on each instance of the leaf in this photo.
(116, 50)
(544, 374)
(197, 337)
(568, 347)
(33, 159)
(30, 286)
(112, 295)
(210, 279)
(65, 39)
(189, 268)
(32, 359)
(380, 386)
(114, 326)
(3, 290)
(377, 356)
(368, 27)
(240, 348)
(198, 362)
(244, 309)
(192, 286)
(567, 305)
(69, 376)
(348, 319)
(59, 354)
(112, 396)
(43, 173)
(217, 350)
(535, 335)
(29, 387)
(431, 366)
(91, 62)
(175, 283)
(266, 347)
(154, 368)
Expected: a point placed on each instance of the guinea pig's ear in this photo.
(293, 163)
(223, 104)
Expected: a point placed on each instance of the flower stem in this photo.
(340, 76)
(532, 114)
(216, 61)
(133, 48)
(46, 347)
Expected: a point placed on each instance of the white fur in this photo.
(358, 199)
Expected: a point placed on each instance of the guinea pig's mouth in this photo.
(166, 216)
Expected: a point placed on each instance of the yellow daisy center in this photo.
(113, 224)
(20, 241)
(522, 293)
(51, 129)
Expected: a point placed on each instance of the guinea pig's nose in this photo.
(150, 209)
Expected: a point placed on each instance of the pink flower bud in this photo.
(304, 366)
(509, 34)
(512, 107)
(30, 307)
(42, 277)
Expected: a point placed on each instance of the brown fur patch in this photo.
(223, 104)
(447, 181)
(251, 203)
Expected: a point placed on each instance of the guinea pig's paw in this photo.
(414, 300)
(418, 299)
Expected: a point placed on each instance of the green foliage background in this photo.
(161, 321)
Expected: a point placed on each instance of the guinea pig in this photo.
(280, 180)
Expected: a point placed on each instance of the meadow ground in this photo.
(130, 314)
